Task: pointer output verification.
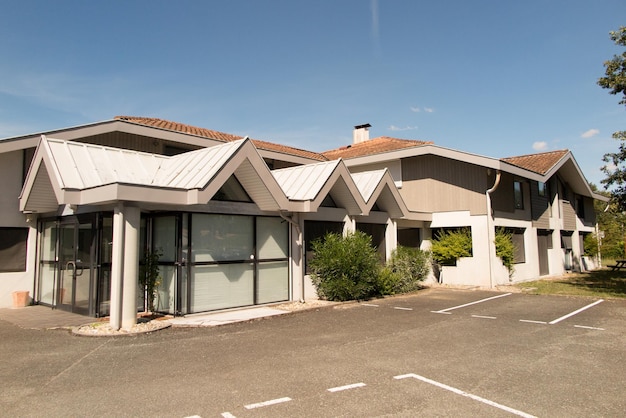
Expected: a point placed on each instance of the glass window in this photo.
(164, 238)
(221, 286)
(221, 238)
(542, 189)
(273, 282)
(519, 195)
(13, 243)
(272, 237)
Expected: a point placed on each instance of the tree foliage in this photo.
(615, 80)
(449, 246)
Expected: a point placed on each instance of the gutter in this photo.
(490, 225)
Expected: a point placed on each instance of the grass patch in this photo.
(602, 283)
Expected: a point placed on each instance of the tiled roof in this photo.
(539, 163)
(373, 146)
(220, 136)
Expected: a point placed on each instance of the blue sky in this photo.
(495, 78)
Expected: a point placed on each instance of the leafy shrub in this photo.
(590, 243)
(449, 246)
(405, 271)
(505, 249)
(345, 267)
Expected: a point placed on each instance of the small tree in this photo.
(449, 246)
(150, 276)
(345, 267)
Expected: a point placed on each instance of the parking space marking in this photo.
(484, 317)
(463, 393)
(228, 415)
(471, 303)
(370, 304)
(402, 309)
(585, 327)
(267, 403)
(346, 387)
(533, 322)
(576, 312)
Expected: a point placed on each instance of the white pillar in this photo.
(117, 268)
(349, 225)
(132, 219)
(391, 238)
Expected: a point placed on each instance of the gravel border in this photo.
(103, 329)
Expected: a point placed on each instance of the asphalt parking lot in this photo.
(441, 352)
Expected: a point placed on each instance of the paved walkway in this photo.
(43, 317)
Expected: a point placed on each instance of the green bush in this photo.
(449, 246)
(505, 249)
(345, 267)
(591, 245)
(406, 269)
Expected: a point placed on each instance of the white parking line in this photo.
(346, 387)
(582, 326)
(575, 312)
(483, 317)
(267, 403)
(462, 393)
(370, 304)
(532, 322)
(402, 309)
(472, 303)
(228, 415)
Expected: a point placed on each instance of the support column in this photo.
(132, 224)
(117, 268)
(349, 225)
(391, 238)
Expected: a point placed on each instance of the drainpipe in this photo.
(296, 225)
(490, 226)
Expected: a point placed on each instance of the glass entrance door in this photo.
(76, 271)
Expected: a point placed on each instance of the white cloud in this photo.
(406, 128)
(540, 146)
(590, 133)
(420, 109)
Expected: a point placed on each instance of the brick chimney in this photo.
(361, 133)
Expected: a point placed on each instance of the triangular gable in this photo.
(378, 187)
(307, 186)
(88, 174)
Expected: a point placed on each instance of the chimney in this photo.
(361, 133)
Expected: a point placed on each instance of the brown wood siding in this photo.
(569, 216)
(590, 212)
(503, 198)
(435, 184)
(540, 207)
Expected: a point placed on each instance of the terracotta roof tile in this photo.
(539, 163)
(219, 136)
(373, 146)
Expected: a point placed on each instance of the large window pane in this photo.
(46, 282)
(273, 282)
(221, 286)
(272, 238)
(164, 238)
(13, 249)
(166, 293)
(221, 238)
